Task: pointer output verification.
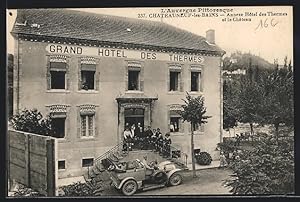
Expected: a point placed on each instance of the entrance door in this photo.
(134, 116)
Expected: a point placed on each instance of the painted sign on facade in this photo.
(123, 53)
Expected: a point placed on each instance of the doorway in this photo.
(134, 116)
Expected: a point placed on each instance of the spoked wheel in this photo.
(129, 187)
(175, 179)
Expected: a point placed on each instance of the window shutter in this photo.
(200, 82)
(97, 78)
(141, 85)
(134, 68)
(58, 114)
(95, 125)
(181, 126)
(181, 81)
(88, 67)
(78, 124)
(79, 76)
(58, 66)
(48, 80)
(67, 78)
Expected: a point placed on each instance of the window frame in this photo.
(65, 167)
(134, 65)
(87, 134)
(198, 81)
(51, 80)
(199, 131)
(195, 68)
(177, 73)
(61, 118)
(94, 80)
(175, 67)
(87, 158)
(138, 79)
(52, 58)
(172, 114)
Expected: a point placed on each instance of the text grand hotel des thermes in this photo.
(122, 53)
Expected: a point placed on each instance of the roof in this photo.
(67, 23)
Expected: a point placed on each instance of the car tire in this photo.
(175, 179)
(129, 187)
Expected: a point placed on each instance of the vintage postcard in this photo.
(161, 101)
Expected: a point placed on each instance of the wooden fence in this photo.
(32, 160)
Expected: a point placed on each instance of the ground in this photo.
(208, 182)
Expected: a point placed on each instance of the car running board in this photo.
(152, 186)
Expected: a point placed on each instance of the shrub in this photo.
(203, 158)
(24, 191)
(77, 189)
(32, 121)
(227, 146)
(266, 169)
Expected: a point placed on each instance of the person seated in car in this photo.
(149, 170)
(154, 165)
(121, 166)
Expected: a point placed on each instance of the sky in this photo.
(270, 36)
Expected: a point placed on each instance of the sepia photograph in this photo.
(150, 101)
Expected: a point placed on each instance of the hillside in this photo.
(239, 60)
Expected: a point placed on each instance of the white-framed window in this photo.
(88, 72)
(174, 80)
(134, 76)
(86, 121)
(87, 162)
(198, 130)
(61, 165)
(133, 79)
(58, 126)
(175, 120)
(195, 81)
(57, 70)
(87, 125)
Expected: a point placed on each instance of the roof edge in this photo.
(78, 41)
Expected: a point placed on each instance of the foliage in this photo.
(203, 158)
(230, 112)
(32, 121)
(263, 95)
(228, 146)
(22, 190)
(278, 98)
(266, 169)
(194, 110)
(77, 189)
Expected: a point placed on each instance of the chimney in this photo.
(210, 36)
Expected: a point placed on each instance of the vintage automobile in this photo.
(128, 177)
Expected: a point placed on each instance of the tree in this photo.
(266, 169)
(230, 111)
(278, 98)
(194, 112)
(249, 100)
(32, 121)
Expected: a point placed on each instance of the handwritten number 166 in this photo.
(265, 23)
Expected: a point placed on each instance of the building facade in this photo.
(94, 73)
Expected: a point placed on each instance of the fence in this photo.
(32, 161)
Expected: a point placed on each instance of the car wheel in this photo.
(129, 187)
(175, 179)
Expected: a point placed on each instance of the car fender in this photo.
(169, 174)
(139, 183)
